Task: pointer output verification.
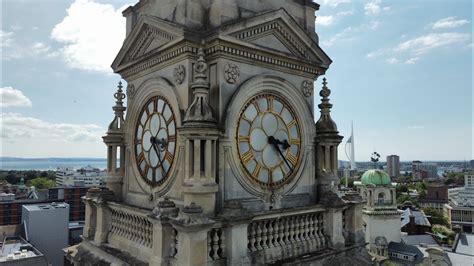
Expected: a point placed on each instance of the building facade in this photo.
(422, 170)
(84, 177)
(436, 196)
(460, 209)
(218, 159)
(46, 227)
(393, 166)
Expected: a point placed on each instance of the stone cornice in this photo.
(221, 47)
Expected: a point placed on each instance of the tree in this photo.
(41, 182)
(436, 217)
(350, 182)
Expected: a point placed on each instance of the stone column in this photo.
(333, 227)
(102, 226)
(192, 227)
(162, 231)
(91, 212)
(237, 219)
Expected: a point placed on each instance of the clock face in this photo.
(155, 140)
(269, 140)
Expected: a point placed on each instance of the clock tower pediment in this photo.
(147, 37)
(278, 32)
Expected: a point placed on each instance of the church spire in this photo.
(200, 111)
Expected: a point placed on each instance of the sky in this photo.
(401, 73)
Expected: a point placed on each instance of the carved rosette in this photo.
(307, 86)
(179, 74)
(231, 73)
(130, 91)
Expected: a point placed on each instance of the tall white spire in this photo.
(350, 148)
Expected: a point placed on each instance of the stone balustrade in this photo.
(130, 224)
(286, 235)
(216, 244)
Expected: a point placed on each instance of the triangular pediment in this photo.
(148, 35)
(277, 31)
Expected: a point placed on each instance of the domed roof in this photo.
(375, 177)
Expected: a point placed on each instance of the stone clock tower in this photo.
(218, 160)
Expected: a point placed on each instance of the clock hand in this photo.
(163, 143)
(275, 142)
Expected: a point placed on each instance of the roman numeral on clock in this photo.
(247, 157)
(292, 158)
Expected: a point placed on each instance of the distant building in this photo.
(460, 209)
(436, 196)
(72, 196)
(85, 177)
(422, 170)
(47, 228)
(414, 222)
(393, 165)
(471, 163)
(18, 252)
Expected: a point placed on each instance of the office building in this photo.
(460, 209)
(393, 166)
(84, 177)
(16, 251)
(421, 171)
(47, 228)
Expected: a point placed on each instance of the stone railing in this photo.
(286, 235)
(130, 224)
(383, 202)
(216, 244)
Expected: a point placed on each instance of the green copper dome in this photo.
(376, 177)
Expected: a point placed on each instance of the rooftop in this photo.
(46, 206)
(16, 249)
(465, 244)
(419, 239)
(420, 217)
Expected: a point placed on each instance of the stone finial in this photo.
(165, 209)
(200, 111)
(325, 123)
(118, 122)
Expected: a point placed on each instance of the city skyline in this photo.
(57, 85)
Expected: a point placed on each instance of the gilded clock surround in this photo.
(158, 111)
(256, 158)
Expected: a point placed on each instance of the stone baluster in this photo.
(173, 243)
(271, 237)
(281, 232)
(287, 231)
(252, 240)
(292, 230)
(259, 236)
(264, 234)
(320, 231)
(215, 244)
(276, 233)
(222, 243)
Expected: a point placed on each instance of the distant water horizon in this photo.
(44, 164)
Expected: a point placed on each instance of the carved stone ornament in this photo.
(307, 86)
(231, 73)
(130, 91)
(179, 74)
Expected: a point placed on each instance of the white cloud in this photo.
(324, 20)
(92, 35)
(329, 20)
(426, 43)
(334, 3)
(374, 7)
(35, 50)
(449, 23)
(5, 39)
(16, 127)
(392, 60)
(10, 97)
(412, 60)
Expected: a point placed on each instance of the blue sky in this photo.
(402, 72)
